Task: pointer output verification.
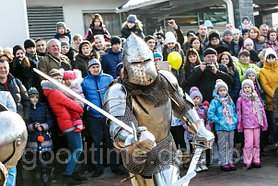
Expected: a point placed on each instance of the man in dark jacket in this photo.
(229, 43)
(16, 88)
(205, 75)
(112, 58)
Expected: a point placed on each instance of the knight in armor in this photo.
(145, 99)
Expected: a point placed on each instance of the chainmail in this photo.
(157, 160)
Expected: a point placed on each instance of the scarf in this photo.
(256, 103)
(226, 109)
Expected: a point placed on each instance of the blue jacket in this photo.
(215, 114)
(41, 114)
(109, 62)
(7, 100)
(94, 88)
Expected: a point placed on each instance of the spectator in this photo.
(252, 75)
(197, 45)
(160, 37)
(112, 58)
(248, 44)
(229, 43)
(31, 53)
(84, 55)
(132, 25)
(275, 112)
(39, 140)
(22, 67)
(190, 34)
(236, 35)
(245, 25)
(225, 58)
(77, 39)
(264, 30)
(7, 57)
(9, 83)
(54, 59)
(271, 40)
(178, 33)
(60, 105)
(251, 119)
(68, 51)
(62, 30)
(255, 34)
(41, 47)
(99, 45)
(254, 58)
(244, 63)
(269, 82)
(97, 27)
(150, 42)
(209, 25)
(230, 26)
(202, 34)
(214, 39)
(205, 75)
(94, 87)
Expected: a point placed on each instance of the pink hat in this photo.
(195, 92)
(248, 41)
(69, 75)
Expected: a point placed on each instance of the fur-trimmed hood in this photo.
(138, 25)
(49, 85)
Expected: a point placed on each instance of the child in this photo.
(134, 25)
(251, 119)
(222, 113)
(62, 30)
(73, 80)
(202, 109)
(39, 139)
(245, 25)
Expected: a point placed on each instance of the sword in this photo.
(184, 181)
(72, 93)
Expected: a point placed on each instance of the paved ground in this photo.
(265, 176)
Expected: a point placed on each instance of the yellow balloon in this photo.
(175, 60)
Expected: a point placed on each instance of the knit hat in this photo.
(195, 92)
(248, 41)
(132, 18)
(64, 43)
(191, 32)
(115, 40)
(61, 24)
(221, 48)
(157, 54)
(213, 34)
(93, 62)
(170, 38)
(254, 56)
(244, 31)
(55, 72)
(29, 43)
(69, 75)
(220, 83)
(243, 52)
(250, 70)
(208, 24)
(247, 82)
(33, 91)
(245, 17)
(148, 37)
(16, 48)
(270, 51)
(227, 31)
(210, 51)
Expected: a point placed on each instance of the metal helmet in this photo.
(138, 61)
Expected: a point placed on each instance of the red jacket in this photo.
(60, 105)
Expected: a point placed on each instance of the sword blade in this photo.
(72, 93)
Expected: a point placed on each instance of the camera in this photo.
(209, 65)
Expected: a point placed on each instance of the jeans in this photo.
(11, 179)
(75, 147)
(99, 129)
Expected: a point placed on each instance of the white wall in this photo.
(73, 10)
(14, 23)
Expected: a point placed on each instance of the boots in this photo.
(186, 158)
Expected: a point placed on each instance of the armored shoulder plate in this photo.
(114, 100)
(170, 77)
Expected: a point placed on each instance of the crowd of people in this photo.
(231, 78)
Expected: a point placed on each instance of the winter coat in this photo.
(41, 114)
(233, 47)
(109, 62)
(241, 68)
(137, 29)
(275, 104)
(93, 31)
(24, 74)
(215, 114)
(61, 105)
(35, 58)
(234, 87)
(50, 62)
(272, 44)
(259, 44)
(242, 27)
(269, 81)
(94, 88)
(7, 100)
(81, 62)
(205, 80)
(20, 95)
(247, 119)
(57, 36)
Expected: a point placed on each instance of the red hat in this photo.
(69, 75)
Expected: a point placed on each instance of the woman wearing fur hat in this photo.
(22, 67)
(251, 119)
(255, 34)
(97, 27)
(222, 113)
(269, 82)
(62, 30)
(132, 25)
